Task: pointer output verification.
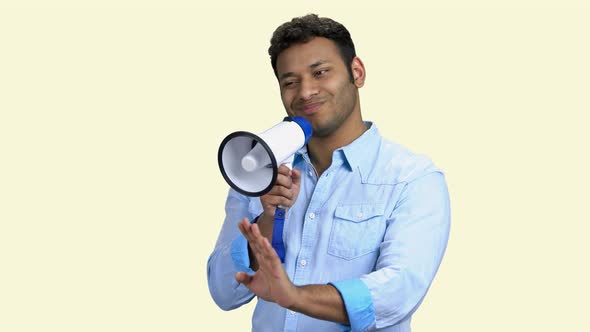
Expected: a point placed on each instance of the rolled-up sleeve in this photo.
(410, 254)
(230, 256)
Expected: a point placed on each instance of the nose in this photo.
(308, 88)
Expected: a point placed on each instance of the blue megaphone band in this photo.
(305, 126)
(277, 233)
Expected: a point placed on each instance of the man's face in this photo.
(315, 84)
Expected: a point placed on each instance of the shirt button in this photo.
(312, 216)
(310, 173)
(359, 215)
(303, 262)
(292, 312)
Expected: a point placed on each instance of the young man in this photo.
(368, 220)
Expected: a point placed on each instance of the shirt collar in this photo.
(355, 153)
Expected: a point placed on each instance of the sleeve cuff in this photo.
(239, 252)
(358, 303)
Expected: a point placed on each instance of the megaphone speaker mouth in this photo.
(249, 171)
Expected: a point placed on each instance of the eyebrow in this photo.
(312, 66)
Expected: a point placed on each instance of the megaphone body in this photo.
(249, 163)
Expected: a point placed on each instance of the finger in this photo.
(257, 239)
(296, 177)
(242, 227)
(284, 180)
(253, 238)
(269, 260)
(246, 229)
(243, 278)
(283, 169)
(257, 236)
(274, 201)
(267, 252)
(262, 262)
(273, 257)
(281, 191)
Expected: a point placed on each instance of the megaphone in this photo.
(249, 163)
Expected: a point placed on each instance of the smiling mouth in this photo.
(310, 109)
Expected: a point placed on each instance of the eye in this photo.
(321, 72)
(288, 84)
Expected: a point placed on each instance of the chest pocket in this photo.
(357, 230)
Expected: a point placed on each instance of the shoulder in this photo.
(393, 163)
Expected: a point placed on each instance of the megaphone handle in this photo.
(277, 233)
(289, 161)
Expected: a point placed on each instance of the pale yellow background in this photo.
(112, 112)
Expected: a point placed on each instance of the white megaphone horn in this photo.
(249, 163)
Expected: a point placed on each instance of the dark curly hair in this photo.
(302, 29)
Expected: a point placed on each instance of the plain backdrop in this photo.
(111, 114)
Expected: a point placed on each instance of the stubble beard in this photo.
(339, 118)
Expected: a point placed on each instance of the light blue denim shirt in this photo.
(374, 225)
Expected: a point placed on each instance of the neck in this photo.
(320, 149)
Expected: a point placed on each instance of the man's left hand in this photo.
(270, 282)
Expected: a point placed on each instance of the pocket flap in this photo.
(359, 212)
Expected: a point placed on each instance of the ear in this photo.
(358, 72)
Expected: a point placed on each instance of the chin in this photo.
(322, 131)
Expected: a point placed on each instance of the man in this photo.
(368, 220)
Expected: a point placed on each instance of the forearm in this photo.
(322, 302)
(265, 225)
